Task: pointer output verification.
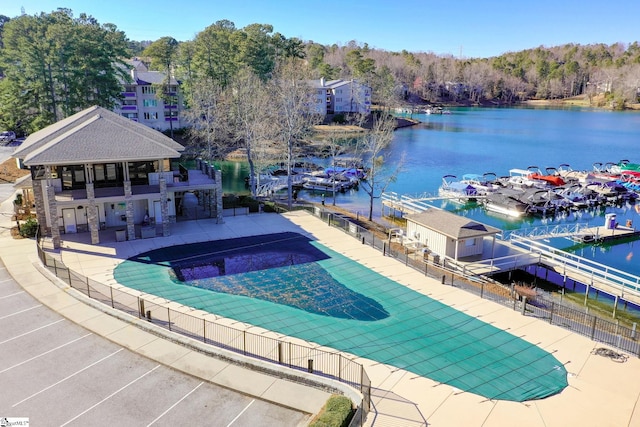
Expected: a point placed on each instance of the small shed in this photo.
(448, 234)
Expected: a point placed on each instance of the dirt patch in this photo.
(15, 233)
(372, 226)
(338, 129)
(9, 171)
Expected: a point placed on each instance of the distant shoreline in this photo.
(596, 102)
(579, 101)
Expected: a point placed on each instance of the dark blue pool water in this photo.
(280, 268)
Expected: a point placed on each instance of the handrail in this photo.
(545, 231)
(595, 271)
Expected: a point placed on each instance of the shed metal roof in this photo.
(451, 225)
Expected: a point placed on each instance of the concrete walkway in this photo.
(601, 392)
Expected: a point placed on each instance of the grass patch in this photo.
(337, 412)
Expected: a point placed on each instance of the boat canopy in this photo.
(462, 188)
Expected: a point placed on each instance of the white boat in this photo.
(519, 178)
(604, 172)
(484, 184)
(573, 197)
(456, 190)
(328, 185)
(569, 175)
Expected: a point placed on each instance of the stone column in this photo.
(164, 208)
(53, 212)
(41, 214)
(92, 214)
(131, 228)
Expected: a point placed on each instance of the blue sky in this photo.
(473, 28)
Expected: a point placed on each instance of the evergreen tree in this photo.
(56, 65)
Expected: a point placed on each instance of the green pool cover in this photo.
(297, 287)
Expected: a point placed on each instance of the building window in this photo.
(72, 177)
(107, 175)
(150, 102)
(148, 90)
(151, 116)
(139, 171)
(131, 116)
(98, 172)
(470, 242)
(111, 172)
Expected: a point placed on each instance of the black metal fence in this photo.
(332, 365)
(579, 321)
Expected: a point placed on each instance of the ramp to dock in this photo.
(598, 276)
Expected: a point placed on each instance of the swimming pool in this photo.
(289, 284)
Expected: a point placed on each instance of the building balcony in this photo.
(129, 108)
(170, 119)
(183, 180)
(129, 94)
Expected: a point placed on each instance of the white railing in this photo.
(594, 272)
(546, 231)
(276, 185)
(505, 263)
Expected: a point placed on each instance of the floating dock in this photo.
(602, 234)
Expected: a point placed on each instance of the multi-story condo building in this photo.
(341, 96)
(144, 102)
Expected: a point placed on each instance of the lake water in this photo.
(480, 140)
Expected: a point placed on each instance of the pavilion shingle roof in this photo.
(451, 225)
(96, 135)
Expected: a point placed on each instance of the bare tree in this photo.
(372, 148)
(292, 108)
(252, 125)
(336, 143)
(630, 82)
(206, 115)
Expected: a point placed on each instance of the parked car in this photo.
(7, 136)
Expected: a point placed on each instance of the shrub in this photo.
(29, 228)
(337, 412)
(339, 118)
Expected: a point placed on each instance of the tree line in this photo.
(243, 88)
(247, 87)
(54, 64)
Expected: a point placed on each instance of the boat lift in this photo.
(412, 204)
